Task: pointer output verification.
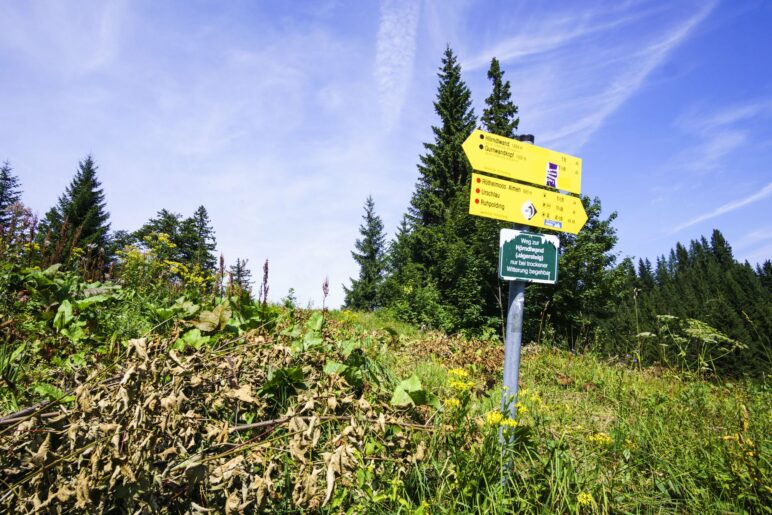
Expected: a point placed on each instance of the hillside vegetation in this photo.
(240, 406)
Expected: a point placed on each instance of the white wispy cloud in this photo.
(554, 32)
(572, 70)
(395, 55)
(726, 208)
(717, 134)
(74, 39)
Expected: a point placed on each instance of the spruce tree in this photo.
(240, 275)
(10, 194)
(165, 222)
(588, 288)
(499, 115)
(364, 293)
(439, 282)
(80, 218)
(444, 169)
(197, 241)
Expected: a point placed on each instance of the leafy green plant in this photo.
(410, 392)
(283, 383)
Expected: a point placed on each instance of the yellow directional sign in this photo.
(522, 204)
(524, 162)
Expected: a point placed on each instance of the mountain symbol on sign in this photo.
(528, 210)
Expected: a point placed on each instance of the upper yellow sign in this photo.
(524, 162)
(521, 204)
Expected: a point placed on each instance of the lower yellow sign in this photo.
(515, 202)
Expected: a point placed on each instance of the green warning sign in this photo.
(528, 257)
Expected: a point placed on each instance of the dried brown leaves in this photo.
(166, 437)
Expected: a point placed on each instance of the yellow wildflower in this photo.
(600, 438)
(461, 386)
(584, 499)
(494, 418)
(508, 423)
(452, 403)
(458, 373)
(521, 408)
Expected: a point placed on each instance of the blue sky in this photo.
(281, 117)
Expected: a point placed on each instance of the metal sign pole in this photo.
(513, 337)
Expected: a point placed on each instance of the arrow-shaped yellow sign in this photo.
(521, 204)
(524, 162)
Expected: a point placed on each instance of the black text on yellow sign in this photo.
(514, 159)
(521, 204)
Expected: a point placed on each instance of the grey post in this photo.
(513, 339)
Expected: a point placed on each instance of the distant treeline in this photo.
(76, 234)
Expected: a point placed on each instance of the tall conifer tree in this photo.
(443, 169)
(240, 275)
(80, 218)
(437, 281)
(500, 113)
(364, 293)
(10, 193)
(197, 240)
(499, 117)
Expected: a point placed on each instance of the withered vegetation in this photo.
(243, 427)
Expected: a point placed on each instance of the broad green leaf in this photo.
(90, 301)
(51, 392)
(207, 321)
(316, 322)
(333, 367)
(410, 392)
(192, 338)
(74, 332)
(63, 315)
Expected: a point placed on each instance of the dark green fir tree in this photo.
(436, 280)
(240, 276)
(499, 117)
(364, 293)
(500, 113)
(10, 194)
(443, 169)
(197, 241)
(80, 219)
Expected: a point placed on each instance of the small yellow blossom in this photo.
(629, 444)
(508, 423)
(521, 408)
(584, 499)
(458, 373)
(600, 438)
(494, 418)
(452, 403)
(461, 386)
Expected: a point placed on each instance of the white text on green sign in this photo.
(529, 257)
(524, 162)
